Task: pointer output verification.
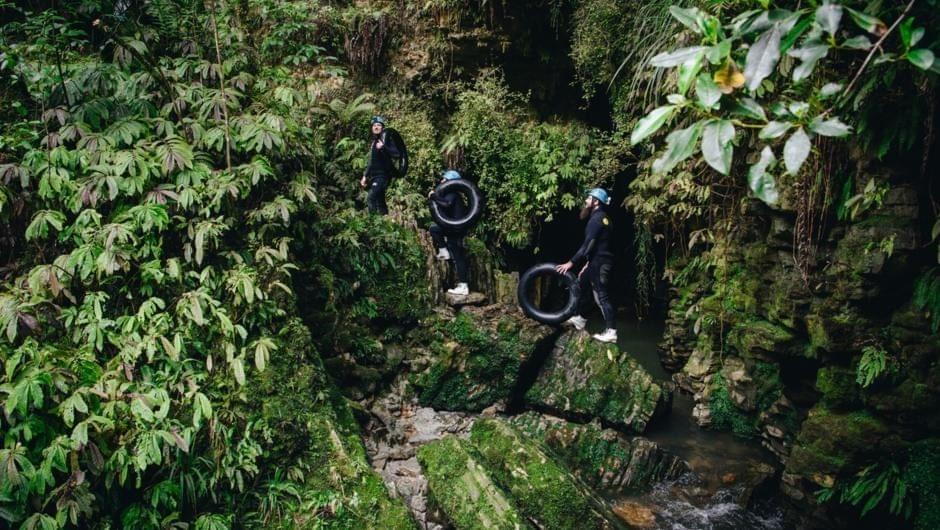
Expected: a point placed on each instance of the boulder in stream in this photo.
(603, 458)
(585, 378)
(543, 489)
(460, 486)
(477, 357)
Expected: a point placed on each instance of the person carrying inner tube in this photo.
(449, 241)
(595, 258)
(380, 169)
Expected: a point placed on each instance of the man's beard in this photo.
(585, 212)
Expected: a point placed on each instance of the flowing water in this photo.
(724, 467)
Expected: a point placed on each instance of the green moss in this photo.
(598, 457)
(755, 337)
(819, 340)
(463, 489)
(544, 491)
(922, 475)
(769, 385)
(725, 415)
(593, 379)
(838, 387)
(832, 442)
(476, 363)
(311, 429)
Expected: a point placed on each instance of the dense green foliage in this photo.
(159, 183)
(527, 169)
(725, 91)
(179, 239)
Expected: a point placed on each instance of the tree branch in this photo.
(877, 47)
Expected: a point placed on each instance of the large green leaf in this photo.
(796, 150)
(750, 108)
(760, 181)
(675, 58)
(687, 72)
(690, 17)
(762, 58)
(706, 91)
(716, 145)
(831, 127)
(867, 22)
(774, 130)
(809, 54)
(651, 123)
(921, 58)
(680, 144)
(828, 17)
(858, 42)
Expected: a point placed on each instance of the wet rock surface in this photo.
(603, 458)
(398, 427)
(584, 378)
(460, 300)
(477, 357)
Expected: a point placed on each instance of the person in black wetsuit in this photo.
(380, 169)
(595, 258)
(449, 241)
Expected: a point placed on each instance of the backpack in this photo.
(394, 136)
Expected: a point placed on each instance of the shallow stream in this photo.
(722, 463)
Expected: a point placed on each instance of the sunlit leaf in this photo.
(796, 150)
(716, 145)
(651, 123)
(762, 57)
(760, 181)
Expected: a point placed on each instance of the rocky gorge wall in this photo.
(775, 355)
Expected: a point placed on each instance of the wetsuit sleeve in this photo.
(591, 235)
(370, 161)
(447, 201)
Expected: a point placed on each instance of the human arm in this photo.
(591, 235)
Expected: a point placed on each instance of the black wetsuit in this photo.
(379, 172)
(452, 206)
(596, 251)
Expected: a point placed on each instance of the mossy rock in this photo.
(831, 443)
(589, 379)
(313, 429)
(725, 415)
(478, 357)
(544, 491)
(910, 402)
(603, 458)
(759, 337)
(461, 487)
(833, 328)
(838, 387)
(923, 478)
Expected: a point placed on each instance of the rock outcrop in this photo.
(586, 379)
(603, 458)
(462, 488)
(477, 358)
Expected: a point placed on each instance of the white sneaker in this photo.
(609, 335)
(462, 289)
(443, 254)
(578, 322)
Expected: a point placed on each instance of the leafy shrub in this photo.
(526, 169)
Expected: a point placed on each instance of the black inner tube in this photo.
(527, 281)
(474, 204)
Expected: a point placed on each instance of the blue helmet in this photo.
(451, 175)
(600, 194)
(378, 119)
